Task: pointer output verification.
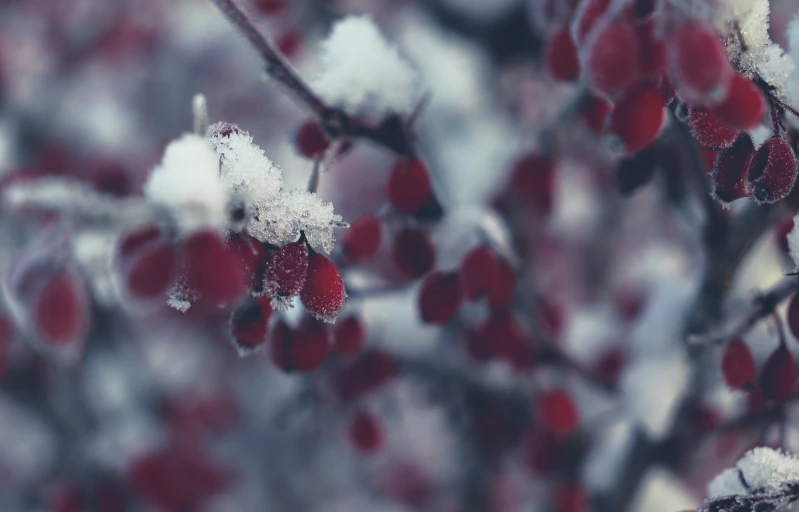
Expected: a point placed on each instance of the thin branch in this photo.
(313, 182)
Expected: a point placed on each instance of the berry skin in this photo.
(778, 375)
(557, 413)
(271, 7)
(698, 65)
(503, 289)
(709, 130)
(772, 173)
(413, 252)
(638, 117)
(792, 315)
(744, 107)
(560, 55)
(497, 336)
(212, 269)
(440, 297)
(362, 239)
(738, 365)
(251, 254)
(309, 347)
(288, 270)
(478, 273)
(61, 311)
(280, 346)
(323, 293)
(533, 179)
(409, 186)
(311, 140)
(611, 63)
(349, 336)
(730, 170)
(147, 263)
(366, 433)
(249, 324)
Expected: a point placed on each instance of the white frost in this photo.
(362, 72)
(763, 469)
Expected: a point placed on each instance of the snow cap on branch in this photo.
(764, 470)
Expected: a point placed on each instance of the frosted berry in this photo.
(792, 315)
(479, 271)
(147, 263)
(409, 186)
(709, 130)
(730, 170)
(611, 63)
(311, 140)
(349, 336)
(223, 129)
(738, 365)
(212, 269)
(744, 107)
(698, 65)
(366, 434)
(309, 347)
(586, 18)
(252, 256)
(638, 117)
(61, 311)
(772, 173)
(557, 413)
(440, 297)
(413, 252)
(560, 55)
(287, 271)
(362, 239)
(533, 179)
(323, 293)
(249, 324)
(778, 375)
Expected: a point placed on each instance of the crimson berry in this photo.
(499, 335)
(371, 370)
(362, 239)
(729, 172)
(309, 347)
(311, 140)
(629, 302)
(212, 269)
(366, 433)
(772, 173)
(287, 271)
(611, 63)
(280, 345)
(571, 498)
(638, 117)
(323, 293)
(698, 65)
(252, 255)
(560, 55)
(533, 179)
(61, 311)
(440, 297)
(147, 262)
(478, 272)
(709, 130)
(586, 17)
(744, 107)
(792, 315)
(778, 375)
(502, 291)
(349, 336)
(248, 325)
(413, 252)
(271, 7)
(738, 365)
(557, 413)
(289, 44)
(409, 186)
(610, 364)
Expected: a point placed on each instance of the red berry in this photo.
(571, 498)
(698, 65)
(366, 433)
(502, 291)
(738, 365)
(212, 269)
(362, 239)
(309, 347)
(498, 336)
(478, 273)
(413, 252)
(371, 370)
(629, 302)
(280, 344)
(349, 336)
(287, 271)
(638, 117)
(667, 91)
(744, 107)
(778, 375)
(611, 63)
(557, 413)
(147, 262)
(289, 44)
(323, 293)
(610, 364)
(251, 254)
(772, 173)
(533, 179)
(311, 140)
(440, 297)
(709, 130)
(271, 7)
(586, 17)
(248, 325)
(595, 110)
(792, 315)
(61, 311)
(730, 170)
(560, 55)
(409, 186)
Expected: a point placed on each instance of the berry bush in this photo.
(399, 255)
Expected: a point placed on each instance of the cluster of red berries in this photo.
(307, 347)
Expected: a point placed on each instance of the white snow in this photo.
(793, 241)
(763, 469)
(362, 72)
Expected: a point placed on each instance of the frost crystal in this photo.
(760, 471)
(363, 73)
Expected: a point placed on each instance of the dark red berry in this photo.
(571, 498)
(311, 140)
(366, 433)
(409, 186)
(778, 375)
(498, 336)
(61, 311)
(287, 271)
(772, 173)
(280, 344)
(440, 297)
(212, 269)
(309, 347)
(271, 7)
(323, 293)
(533, 179)
(557, 413)
(698, 65)
(610, 364)
(251, 254)
(478, 273)
(371, 370)
(638, 117)
(362, 239)
(413, 252)
(249, 324)
(738, 365)
(792, 315)
(730, 170)
(612, 59)
(744, 107)
(349, 336)
(502, 291)
(708, 130)
(560, 55)
(147, 263)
